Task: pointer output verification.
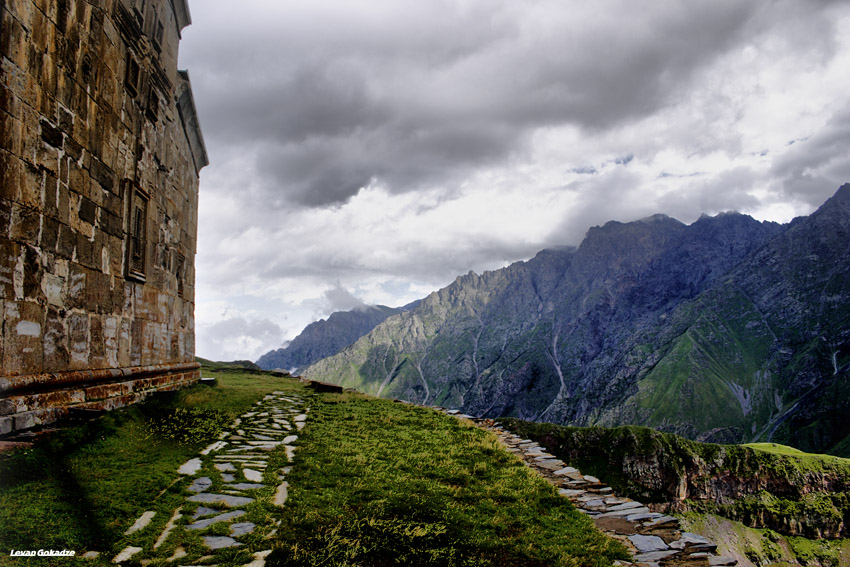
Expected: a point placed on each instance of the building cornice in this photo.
(191, 125)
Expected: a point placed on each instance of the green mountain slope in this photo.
(727, 329)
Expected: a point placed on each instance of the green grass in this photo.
(375, 483)
(383, 483)
(81, 488)
(777, 449)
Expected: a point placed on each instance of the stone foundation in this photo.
(42, 399)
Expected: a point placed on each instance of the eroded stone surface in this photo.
(204, 511)
(226, 517)
(200, 484)
(126, 554)
(190, 467)
(252, 475)
(141, 523)
(241, 528)
(245, 485)
(220, 542)
(281, 494)
(226, 499)
(646, 544)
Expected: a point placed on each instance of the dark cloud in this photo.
(329, 99)
(485, 131)
(815, 167)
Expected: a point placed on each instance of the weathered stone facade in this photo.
(100, 151)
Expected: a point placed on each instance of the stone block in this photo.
(106, 391)
(7, 407)
(66, 242)
(78, 340)
(7, 425)
(85, 252)
(26, 223)
(66, 120)
(50, 195)
(73, 149)
(22, 350)
(88, 210)
(53, 399)
(56, 354)
(49, 234)
(9, 253)
(52, 135)
(33, 273)
(111, 223)
(98, 292)
(10, 125)
(63, 204)
(114, 204)
(97, 351)
(13, 42)
(30, 419)
(11, 175)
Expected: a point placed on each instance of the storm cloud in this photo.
(381, 147)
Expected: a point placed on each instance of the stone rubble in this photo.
(654, 539)
(228, 479)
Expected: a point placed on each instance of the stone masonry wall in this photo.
(98, 205)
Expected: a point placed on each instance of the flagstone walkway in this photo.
(654, 539)
(237, 484)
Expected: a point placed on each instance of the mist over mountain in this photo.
(728, 329)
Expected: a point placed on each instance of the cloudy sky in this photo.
(369, 151)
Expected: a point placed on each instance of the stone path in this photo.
(655, 539)
(233, 485)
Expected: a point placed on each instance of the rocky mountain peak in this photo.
(728, 329)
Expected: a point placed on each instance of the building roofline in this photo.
(181, 11)
(191, 126)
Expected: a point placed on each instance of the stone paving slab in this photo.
(242, 452)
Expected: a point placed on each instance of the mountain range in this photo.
(327, 337)
(726, 330)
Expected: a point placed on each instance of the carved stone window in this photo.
(180, 272)
(152, 109)
(137, 234)
(132, 77)
(158, 30)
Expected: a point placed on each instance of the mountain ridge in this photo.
(327, 337)
(650, 322)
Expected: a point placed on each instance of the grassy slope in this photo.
(82, 488)
(376, 483)
(382, 483)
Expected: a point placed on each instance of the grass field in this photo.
(383, 483)
(82, 488)
(778, 449)
(375, 483)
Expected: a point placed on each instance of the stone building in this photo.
(100, 151)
